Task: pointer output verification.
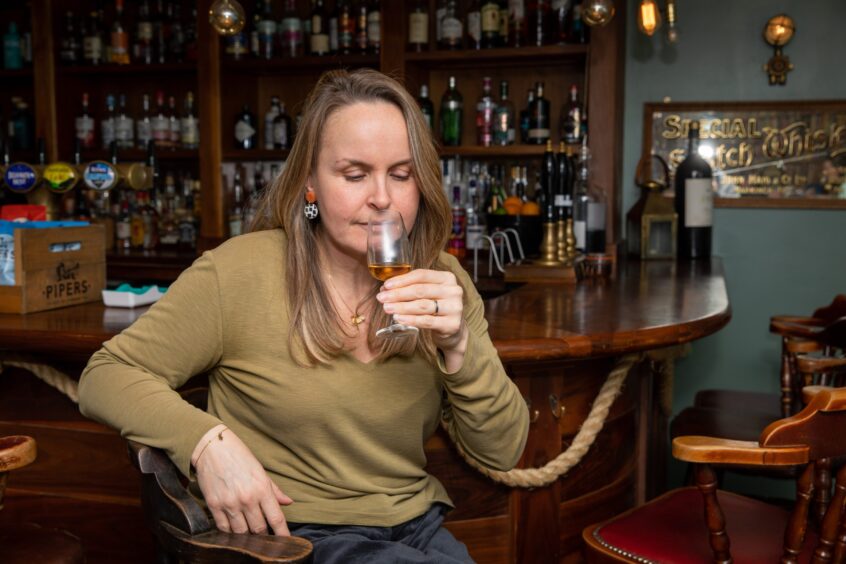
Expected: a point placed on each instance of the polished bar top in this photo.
(646, 305)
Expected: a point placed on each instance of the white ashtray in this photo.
(127, 296)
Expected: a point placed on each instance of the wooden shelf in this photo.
(508, 151)
(140, 155)
(6, 74)
(518, 55)
(256, 155)
(132, 69)
(310, 64)
(162, 266)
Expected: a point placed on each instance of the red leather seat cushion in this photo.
(30, 543)
(671, 529)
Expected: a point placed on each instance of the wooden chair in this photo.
(183, 530)
(704, 524)
(28, 542)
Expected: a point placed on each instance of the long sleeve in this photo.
(130, 382)
(485, 410)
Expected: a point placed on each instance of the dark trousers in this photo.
(421, 540)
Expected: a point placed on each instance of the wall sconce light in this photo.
(778, 32)
(227, 17)
(597, 13)
(672, 31)
(648, 17)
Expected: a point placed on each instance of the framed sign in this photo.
(763, 154)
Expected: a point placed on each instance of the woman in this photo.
(308, 409)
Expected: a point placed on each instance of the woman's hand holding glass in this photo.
(241, 496)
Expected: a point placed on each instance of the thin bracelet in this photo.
(219, 437)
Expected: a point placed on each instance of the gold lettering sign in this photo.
(760, 149)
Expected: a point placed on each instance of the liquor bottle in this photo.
(456, 244)
(374, 27)
(144, 125)
(540, 22)
(524, 116)
(452, 30)
(427, 107)
(561, 20)
(12, 58)
(187, 221)
(549, 170)
(124, 126)
(177, 38)
(452, 113)
(269, 116)
(572, 116)
(490, 24)
(161, 28)
(282, 132)
(266, 31)
(190, 125)
(485, 109)
(418, 26)
(253, 36)
(174, 124)
(578, 31)
(360, 38)
(504, 22)
(333, 30)
(237, 45)
(119, 37)
(516, 23)
(123, 226)
(503, 133)
(319, 38)
(190, 26)
(236, 211)
(581, 197)
(475, 229)
(85, 125)
(70, 52)
(246, 136)
(160, 123)
(168, 225)
(291, 31)
(142, 49)
(346, 27)
(474, 26)
(92, 43)
(595, 226)
(563, 198)
(539, 117)
(694, 201)
(149, 214)
(21, 127)
(107, 124)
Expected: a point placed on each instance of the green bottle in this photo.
(12, 58)
(451, 115)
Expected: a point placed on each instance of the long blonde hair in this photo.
(312, 339)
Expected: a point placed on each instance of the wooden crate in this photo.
(56, 267)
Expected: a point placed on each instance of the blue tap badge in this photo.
(99, 176)
(20, 178)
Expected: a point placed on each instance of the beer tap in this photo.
(21, 177)
(102, 176)
(60, 177)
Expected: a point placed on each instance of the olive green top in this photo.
(344, 440)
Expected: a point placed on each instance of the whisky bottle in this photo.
(418, 26)
(119, 37)
(85, 125)
(319, 38)
(190, 126)
(490, 24)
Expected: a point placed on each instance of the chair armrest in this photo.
(811, 364)
(712, 450)
(16, 451)
(789, 329)
(782, 320)
(230, 547)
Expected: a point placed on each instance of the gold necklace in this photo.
(356, 318)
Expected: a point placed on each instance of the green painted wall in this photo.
(776, 261)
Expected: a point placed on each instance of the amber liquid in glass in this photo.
(385, 271)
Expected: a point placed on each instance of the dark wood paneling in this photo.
(487, 540)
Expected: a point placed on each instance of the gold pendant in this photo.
(357, 319)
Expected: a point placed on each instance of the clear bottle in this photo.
(426, 106)
(694, 201)
(572, 116)
(269, 117)
(452, 29)
(418, 26)
(150, 221)
(452, 115)
(236, 210)
(161, 124)
(246, 134)
(107, 124)
(119, 37)
(474, 25)
(144, 125)
(539, 117)
(70, 52)
(190, 125)
(282, 131)
(504, 133)
(85, 127)
(291, 31)
(456, 245)
(124, 126)
(485, 110)
(581, 198)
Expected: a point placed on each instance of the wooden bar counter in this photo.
(559, 342)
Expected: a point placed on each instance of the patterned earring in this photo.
(310, 209)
